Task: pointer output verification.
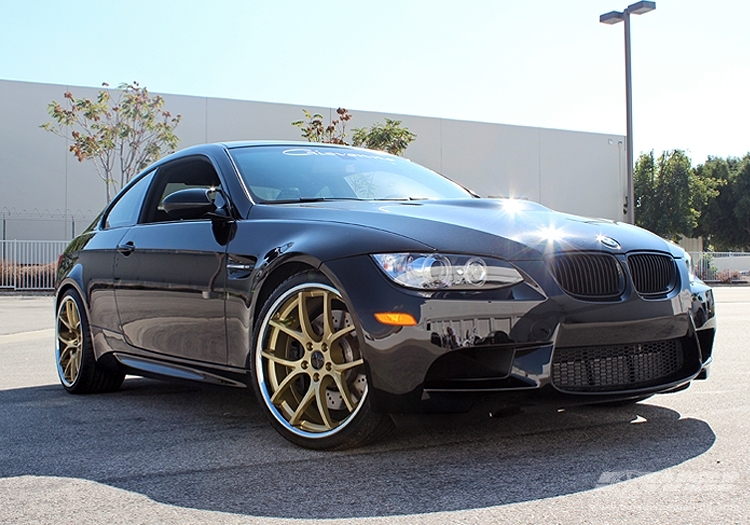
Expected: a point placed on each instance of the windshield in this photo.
(317, 172)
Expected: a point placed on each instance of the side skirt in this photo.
(150, 367)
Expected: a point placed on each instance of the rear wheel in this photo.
(74, 354)
(308, 369)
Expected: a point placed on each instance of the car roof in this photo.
(227, 145)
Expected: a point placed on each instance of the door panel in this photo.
(170, 280)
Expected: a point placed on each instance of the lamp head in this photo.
(612, 17)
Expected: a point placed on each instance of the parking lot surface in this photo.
(157, 452)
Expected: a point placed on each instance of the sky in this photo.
(546, 63)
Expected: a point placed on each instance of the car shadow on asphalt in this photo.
(212, 449)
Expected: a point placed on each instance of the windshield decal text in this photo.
(303, 152)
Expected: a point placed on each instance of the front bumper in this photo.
(522, 344)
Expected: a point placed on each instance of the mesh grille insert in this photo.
(617, 367)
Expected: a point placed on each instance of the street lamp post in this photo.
(611, 18)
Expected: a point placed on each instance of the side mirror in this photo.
(192, 203)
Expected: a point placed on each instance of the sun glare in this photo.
(513, 206)
(551, 234)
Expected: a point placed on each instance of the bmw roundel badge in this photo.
(609, 242)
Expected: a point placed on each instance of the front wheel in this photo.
(308, 369)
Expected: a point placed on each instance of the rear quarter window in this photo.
(127, 208)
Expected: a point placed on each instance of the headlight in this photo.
(433, 271)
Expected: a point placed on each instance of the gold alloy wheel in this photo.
(69, 341)
(310, 369)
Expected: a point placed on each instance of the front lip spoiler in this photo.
(705, 369)
(662, 388)
(532, 399)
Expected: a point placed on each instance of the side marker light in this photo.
(396, 318)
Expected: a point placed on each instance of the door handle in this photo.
(238, 267)
(126, 249)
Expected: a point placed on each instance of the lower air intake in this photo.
(617, 367)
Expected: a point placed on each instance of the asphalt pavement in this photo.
(165, 453)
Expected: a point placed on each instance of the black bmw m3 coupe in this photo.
(344, 285)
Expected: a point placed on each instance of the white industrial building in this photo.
(46, 194)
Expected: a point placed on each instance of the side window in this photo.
(127, 209)
(195, 172)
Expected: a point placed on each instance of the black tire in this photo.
(307, 368)
(77, 368)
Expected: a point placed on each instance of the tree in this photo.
(716, 225)
(390, 137)
(122, 135)
(741, 190)
(725, 220)
(669, 194)
(314, 130)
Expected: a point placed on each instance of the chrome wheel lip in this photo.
(260, 370)
(58, 343)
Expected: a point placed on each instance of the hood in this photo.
(515, 230)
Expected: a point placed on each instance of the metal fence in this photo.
(722, 267)
(29, 265)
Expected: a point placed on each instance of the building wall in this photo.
(45, 193)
